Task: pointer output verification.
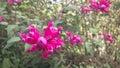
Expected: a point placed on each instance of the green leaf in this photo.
(3, 23)
(61, 58)
(27, 46)
(98, 42)
(8, 45)
(58, 22)
(70, 8)
(75, 66)
(70, 17)
(83, 37)
(107, 65)
(6, 63)
(70, 27)
(36, 60)
(89, 48)
(13, 40)
(93, 30)
(81, 67)
(89, 66)
(118, 38)
(11, 27)
(10, 30)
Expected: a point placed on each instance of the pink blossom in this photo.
(108, 37)
(104, 5)
(74, 38)
(17, 1)
(57, 42)
(94, 5)
(101, 6)
(44, 54)
(54, 44)
(11, 2)
(51, 32)
(32, 37)
(46, 43)
(32, 49)
(1, 18)
(85, 9)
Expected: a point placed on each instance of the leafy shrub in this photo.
(90, 33)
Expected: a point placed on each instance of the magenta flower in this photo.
(32, 49)
(58, 42)
(52, 45)
(17, 1)
(101, 6)
(85, 9)
(46, 43)
(94, 5)
(104, 5)
(1, 18)
(32, 37)
(11, 2)
(108, 37)
(51, 32)
(73, 38)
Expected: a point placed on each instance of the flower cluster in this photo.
(46, 43)
(11, 2)
(101, 6)
(1, 18)
(108, 37)
(49, 41)
(73, 38)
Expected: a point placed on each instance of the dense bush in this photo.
(59, 34)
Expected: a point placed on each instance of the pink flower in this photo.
(32, 37)
(1, 18)
(17, 1)
(51, 32)
(11, 2)
(73, 38)
(108, 37)
(32, 49)
(104, 5)
(85, 9)
(46, 43)
(44, 54)
(57, 43)
(101, 6)
(94, 5)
